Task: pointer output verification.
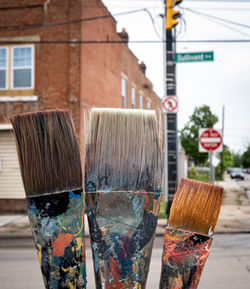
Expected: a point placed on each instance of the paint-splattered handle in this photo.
(58, 231)
(183, 259)
(122, 228)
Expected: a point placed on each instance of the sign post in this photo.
(210, 140)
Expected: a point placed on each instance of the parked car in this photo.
(237, 173)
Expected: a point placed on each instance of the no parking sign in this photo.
(170, 104)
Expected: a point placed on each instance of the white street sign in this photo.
(170, 104)
(210, 140)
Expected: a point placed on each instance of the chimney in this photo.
(124, 35)
(143, 67)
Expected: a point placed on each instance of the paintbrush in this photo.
(122, 183)
(51, 171)
(188, 237)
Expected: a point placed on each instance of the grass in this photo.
(162, 214)
(199, 176)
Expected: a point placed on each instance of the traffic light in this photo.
(172, 15)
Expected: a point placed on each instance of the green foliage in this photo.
(246, 158)
(201, 118)
(236, 158)
(163, 214)
(201, 176)
(227, 161)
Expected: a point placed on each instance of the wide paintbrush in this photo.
(122, 182)
(188, 237)
(51, 171)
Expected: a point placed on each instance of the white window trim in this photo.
(124, 97)
(17, 98)
(133, 99)
(149, 104)
(7, 68)
(141, 97)
(32, 67)
(123, 75)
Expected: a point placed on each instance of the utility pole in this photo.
(170, 119)
(222, 153)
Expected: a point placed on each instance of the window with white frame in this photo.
(141, 101)
(133, 97)
(3, 67)
(22, 71)
(124, 82)
(17, 67)
(149, 104)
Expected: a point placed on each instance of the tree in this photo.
(202, 117)
(236, 159)
(227, 160)
(246, 158)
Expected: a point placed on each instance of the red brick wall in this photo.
(101, 63)
(130, 68)
(66, 74)
(57, 66)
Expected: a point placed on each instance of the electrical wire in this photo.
(153, 22)
(73, 42)
(18, 27)
(223, 24)
(218, 18)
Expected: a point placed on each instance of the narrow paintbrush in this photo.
(51, 170)
(188, 237)
(122, 182)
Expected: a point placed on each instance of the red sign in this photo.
(210, 140)
(170, 104)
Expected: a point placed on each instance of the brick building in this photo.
(45, 63)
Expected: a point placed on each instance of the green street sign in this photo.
(194, 57)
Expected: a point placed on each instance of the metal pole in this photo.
(165, 127)
(211, 168)
(166, 159)
(222, 153)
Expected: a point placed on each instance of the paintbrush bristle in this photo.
(48, 152)
(196, 206)
(123, 151)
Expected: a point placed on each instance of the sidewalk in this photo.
(232, 219)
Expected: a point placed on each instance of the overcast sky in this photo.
(226, 81)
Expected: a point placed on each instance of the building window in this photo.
(17, 67)
(149, 104)
(133, 97)
(141, 101)
(3, 67)
(22, 67)
(123, 92)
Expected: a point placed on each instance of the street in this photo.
(228, 266)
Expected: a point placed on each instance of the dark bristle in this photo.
(123, 151)
(48, 152)
(196, 206)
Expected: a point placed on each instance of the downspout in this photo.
(45, 9)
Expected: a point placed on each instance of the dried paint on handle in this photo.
(183, 259)
(122, 229)
(57, 225)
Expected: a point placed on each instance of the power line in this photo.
(21, 7)
(18, 27)
(72, 42)
(223, 24)
(218, 18)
